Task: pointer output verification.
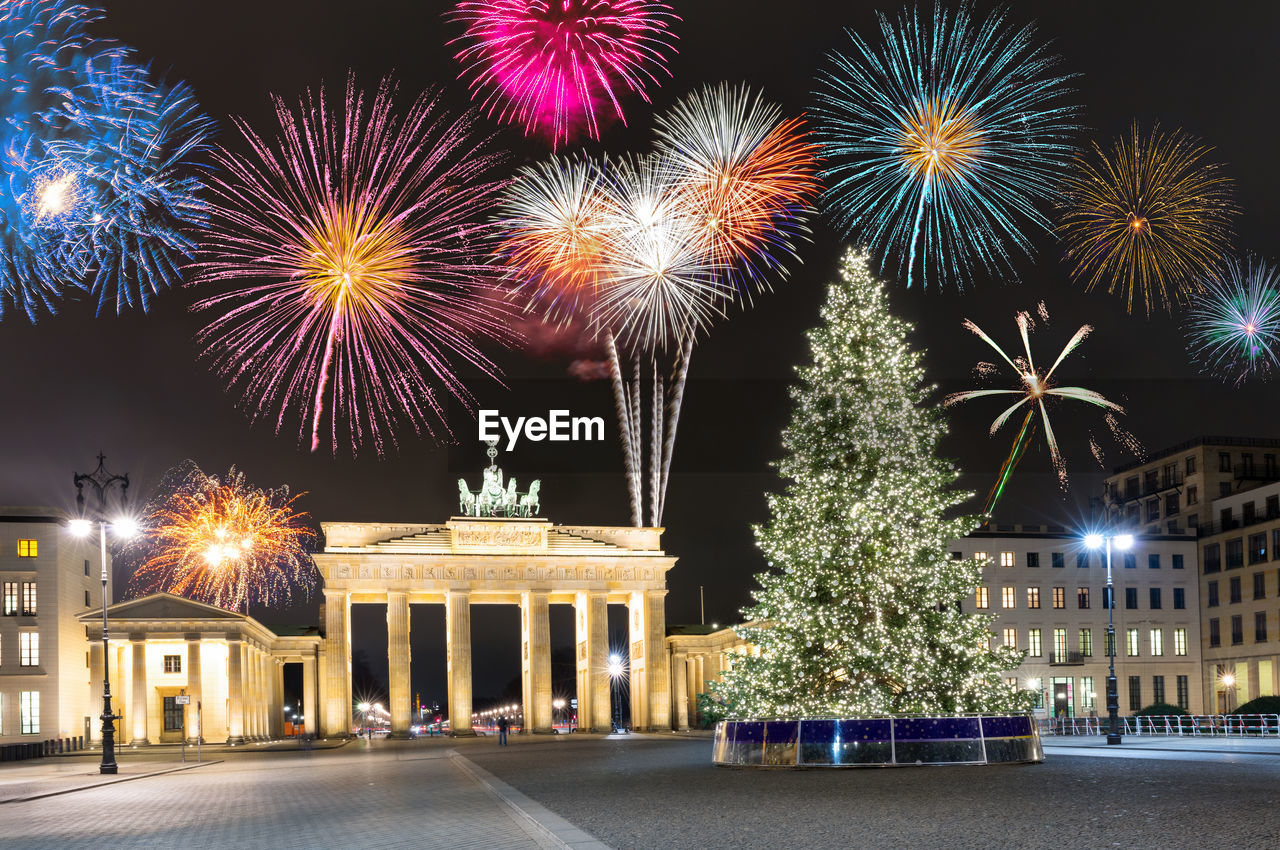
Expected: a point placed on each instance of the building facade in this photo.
(48, 577)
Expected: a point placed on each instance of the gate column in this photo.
(398, 661)
(458, 636)
(337, 664)
(535, 664)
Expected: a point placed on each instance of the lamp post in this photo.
(615, 673)
(101, 480)
(1122, 542)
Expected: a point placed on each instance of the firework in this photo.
(223, 542)
(1233, 325)
(355, 267)
(748, 177)
(98, 162)
(941, 142)
(560, 67)
(1148, 219)
(1035, 386)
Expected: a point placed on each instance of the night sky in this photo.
(132, 386)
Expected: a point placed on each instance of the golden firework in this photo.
(224, 542)
(1149, 219)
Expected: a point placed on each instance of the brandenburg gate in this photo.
(504, 559)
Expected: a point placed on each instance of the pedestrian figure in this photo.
(503, 725)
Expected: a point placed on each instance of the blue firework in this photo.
(943, 140)
(97, 176)
(1233, 321)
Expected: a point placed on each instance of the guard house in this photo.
(499, 551)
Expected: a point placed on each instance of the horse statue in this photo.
(511, 499)
(466, 499)
(529, 501)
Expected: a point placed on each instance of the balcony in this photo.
(1066, 659)
(1253, 472)
(1152, 487)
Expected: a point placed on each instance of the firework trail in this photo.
(1035, 386)
(223, 541)
(1233, 324)
(352, 268)
(1148, 219)
(559, 67)
(942, 139)
(98, 164)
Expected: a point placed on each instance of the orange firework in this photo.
(224, 542)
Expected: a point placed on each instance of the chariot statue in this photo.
(494, 499)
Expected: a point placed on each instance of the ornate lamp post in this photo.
(101, 480)
(1122, 542)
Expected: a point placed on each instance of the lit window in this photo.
(981, 557)
(1179, 641)
(1010, 636)
(1033, 597)
(1008, 597)
(1086, 643)
(1060, 646)
(28, 599)
(1006, 559)
(29, 649)
(1087, 696)
(1059, 597)
(1082, 597)
(173, 664)
(1132, 640)
(10, 598)
(1033, 643)
(28, 549)
(29, 712)
(1011, 681)
(1157, 641)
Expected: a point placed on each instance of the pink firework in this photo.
(557, 67)
(351, 267)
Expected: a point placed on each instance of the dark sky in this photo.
(131, 386)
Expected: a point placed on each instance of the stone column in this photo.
(235, 690)
(95, 690)
(398, 663)
(337, 666)
(680, 679)
(594, 708)
(252, 699)
(535, 664)
(264, 695)
(138, 702)
(191, 718)
(637, 630)
(691, 672)
(309, 696)
(657, 671)
(277, 700)
(458, 639)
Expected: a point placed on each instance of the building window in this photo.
(1060, 646)
(1082, 597)
(1006, 559)
(1191, 465)
(1224, 461)
(1153, 562)
(1082, 560)
(1257, 548)
(28, 548)
(1171, 504)
(1215, 633)
(28, 649)
(1154, 598)
(1033, 560)
(1250, 513)
(1177, 561)
(1212, 558)
(979, 596)
(1008, 597)
(29, 712)
(1010, 637)
(1235, 589)
(1059, 597)
(1033, 643)
(1179, 641)
(1086, 643)
(1273, 507)
(1057, 560)
(1179, 598)
(28, 599)
(1235, 553)
(1184, 693)
(1135, 693)
(1131, 598)
(86, 566)
(1157, 641)
(956, 556)
(1153, 510)
(173, 663)
(10, 598)
(981, 557)
(1259, 585)
(1131, 642)
(1130, 561)
(87, 603)
(1237, 629)
(1033, 597)
(1011, 681)
(1131, 487)
(1157, 689)
(1212, 602)
(172, 715)
(1260, 627)
(1087, 695)
(1193, 495)
(1275, 544)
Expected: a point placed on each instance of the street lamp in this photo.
(123, 527)
(1228, 683)
(557, 705)
(364, 716)
(615, 673)
(1122, 542)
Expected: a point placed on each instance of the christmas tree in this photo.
(859, 613)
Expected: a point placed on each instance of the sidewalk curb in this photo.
(107, 782)
(555, 830)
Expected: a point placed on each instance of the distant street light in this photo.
(615, 675)
(1122, 542)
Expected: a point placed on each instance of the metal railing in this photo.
(1188, 725)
